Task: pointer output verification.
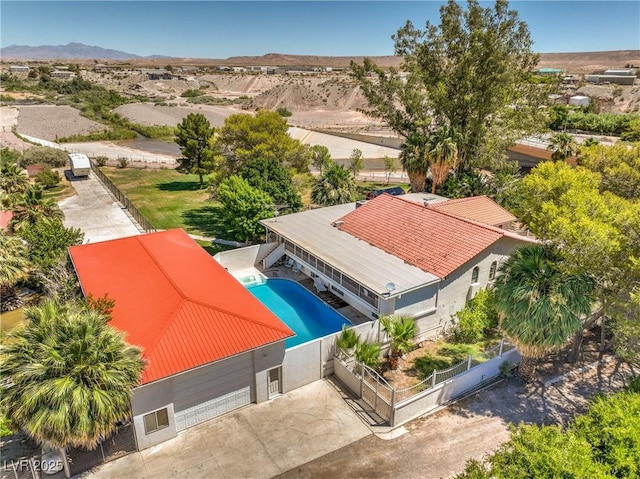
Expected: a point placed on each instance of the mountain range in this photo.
(69, 51)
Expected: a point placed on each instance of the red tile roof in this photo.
(434, 241)
(175, 301)
(478, 208)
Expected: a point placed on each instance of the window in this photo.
(474, 275)
(492, 270)
(156, 420)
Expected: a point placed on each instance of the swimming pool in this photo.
(299, 309)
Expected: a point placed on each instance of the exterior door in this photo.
(274, 382)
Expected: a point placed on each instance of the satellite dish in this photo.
(390, 287)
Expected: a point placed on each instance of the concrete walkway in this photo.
(258, 441)
(96, 213)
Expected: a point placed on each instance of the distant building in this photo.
(618, 76)
(19, 69)
(579, 101)
(549, 71)
(621, 72)
(555, 98)
(157, 74)
(63, 74)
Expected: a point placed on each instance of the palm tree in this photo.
(368, 354)
(563, 146)
(72, 374)
(12, 179)
(334, 187)
(415, 161)
(32, 206)
(13, 266)
(540, 306)
(402, 331)
(346, 342)
(443, 151)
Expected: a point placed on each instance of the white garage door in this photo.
(210, 409)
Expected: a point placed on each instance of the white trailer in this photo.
(80, 164)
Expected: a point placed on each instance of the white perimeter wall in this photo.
(243, 258)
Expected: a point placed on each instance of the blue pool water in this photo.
(301, 310)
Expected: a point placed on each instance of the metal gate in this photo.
(376, 394)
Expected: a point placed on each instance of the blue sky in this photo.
(217, 29)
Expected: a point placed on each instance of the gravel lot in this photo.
(51, 122)
(150, 115)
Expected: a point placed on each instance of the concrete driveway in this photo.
(258, 441)
(95, 212)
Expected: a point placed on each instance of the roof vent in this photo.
(360, 203)
(338, 223)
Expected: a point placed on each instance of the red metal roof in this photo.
(175, 301)
(5, 218)
(478, 208)
(434, 241)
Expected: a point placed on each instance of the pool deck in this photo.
(349, 312)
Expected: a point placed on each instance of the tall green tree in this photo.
(356, 163)
(320, 157)
(472, 72)
(618, 165)
(47, 242)
(272, 178)
(414, 157)
(540, 305)
(443, 151)
(243, 206)
(72, 373)
(264, 135)
(12, 179)
(194, 135)
(13, 267)
(32, 206)
(596, 232)
(389, 167)
(563, 146)
(334, 187)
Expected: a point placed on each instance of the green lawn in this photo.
(446, 355)
(169, 199)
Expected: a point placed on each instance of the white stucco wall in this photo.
(454, 290)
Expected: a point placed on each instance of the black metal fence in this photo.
(34, 465)
(144, 223)
(121, 443)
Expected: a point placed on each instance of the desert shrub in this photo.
(113, 134)
(48, 178)
(283, 112)
(191, 93)
(101, 160)
(44, 155)
(155, 131)
(10, 156)
(476, 320)
(123, 162)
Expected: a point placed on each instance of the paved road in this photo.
(439, 445)
(96, 213)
